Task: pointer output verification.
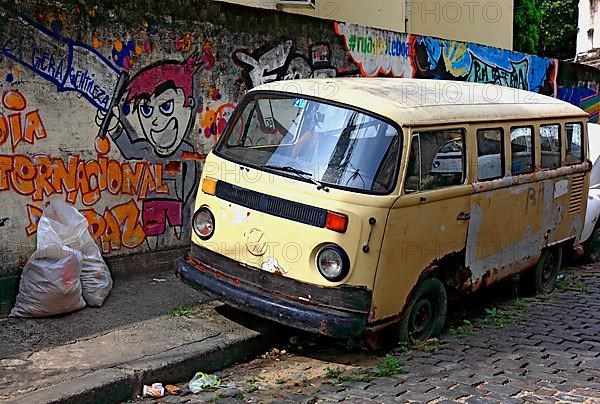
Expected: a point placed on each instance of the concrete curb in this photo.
(125, 381)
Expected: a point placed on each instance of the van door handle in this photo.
(463, 216)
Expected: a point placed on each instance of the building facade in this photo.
(488, 23)
(588, 33)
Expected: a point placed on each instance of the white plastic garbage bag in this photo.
(66, 264)
(50, 280)
(96, 281)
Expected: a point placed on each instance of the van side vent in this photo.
(576, 194)
(272, 205)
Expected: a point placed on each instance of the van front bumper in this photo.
(280, 299)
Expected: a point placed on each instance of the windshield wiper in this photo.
(293, 170)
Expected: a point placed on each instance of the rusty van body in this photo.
(345, 205)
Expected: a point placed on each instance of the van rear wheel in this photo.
(542, 278)
(425, 314)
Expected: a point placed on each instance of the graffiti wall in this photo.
(113, 108)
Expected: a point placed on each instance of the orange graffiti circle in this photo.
(14, 100)
(102, 145)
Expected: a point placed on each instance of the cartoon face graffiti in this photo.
(164, 118)
(163, 101)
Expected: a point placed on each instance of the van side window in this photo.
(490, 154)
(521, 150)
(550, 145)
(574, 143)
(437, 160)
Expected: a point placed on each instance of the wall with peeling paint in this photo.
(113, 107)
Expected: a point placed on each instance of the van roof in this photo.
(413, 102)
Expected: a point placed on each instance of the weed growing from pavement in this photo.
(252, 380)
(462, 331)
(181, 311)
(498, 318)
(429, 345)
(389, 366)
(250, 389)
(331, 373)
(565, 284)
(403, 347)
(361, 375)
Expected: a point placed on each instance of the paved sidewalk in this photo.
(150, 329)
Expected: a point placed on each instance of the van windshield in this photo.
(314, 141)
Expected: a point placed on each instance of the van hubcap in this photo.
(422, 319)
(548, 270)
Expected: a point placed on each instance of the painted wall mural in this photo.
(384, 53)
(282, 62)
(117, 118)
(148, 118)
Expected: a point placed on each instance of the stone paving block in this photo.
(331, 396)
(503, 399)
(389, 389)
(503, 389)
(353, 393)
(356, 385)
(330, 388)
(554, 386)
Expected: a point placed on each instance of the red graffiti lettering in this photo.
(12, 126)
(41, 176)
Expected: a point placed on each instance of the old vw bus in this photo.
(324, 205)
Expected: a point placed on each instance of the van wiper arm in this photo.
(293, 170)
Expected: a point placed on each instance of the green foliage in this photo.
(332, 373)
(558, 28)
(181, 311)
(526, 21)
(571, 283)
(463, 331)
(389, 366)
(498, 317)
(546, 27)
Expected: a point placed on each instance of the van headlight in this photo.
(333, 263)
(204, 223)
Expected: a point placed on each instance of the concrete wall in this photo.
(67, 70)
(488, 23)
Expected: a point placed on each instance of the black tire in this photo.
(542, 278)
(591, 246)
(425, 314)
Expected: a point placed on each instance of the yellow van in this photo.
(346, 205)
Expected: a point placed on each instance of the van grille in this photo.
(272, 205)
(576, 193)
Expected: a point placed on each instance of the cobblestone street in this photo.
(500, 349)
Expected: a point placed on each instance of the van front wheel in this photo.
(426, 312)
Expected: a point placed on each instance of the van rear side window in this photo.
(437, 160)
(521, 150)
(550, 145)
(574, 143)
(490, 154)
